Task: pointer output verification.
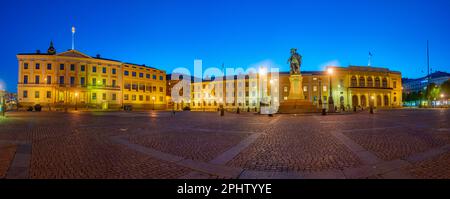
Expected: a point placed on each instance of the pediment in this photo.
(73, 53)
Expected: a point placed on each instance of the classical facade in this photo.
(73, 79)
(353, 86)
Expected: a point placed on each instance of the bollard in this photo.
(238, 111)
(222, 112)
(371, 110)
(324, 111)
(354, 109)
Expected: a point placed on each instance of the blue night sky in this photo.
(167, 34)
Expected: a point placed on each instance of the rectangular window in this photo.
(141, 98)
(154, 77)
(94, 69)
(61, 79)
(141, 75)
(113, 96)
(104, 96)
(147, 76)
(94, 96)
(161, 78)
(49, 94)
(61, 67)
(104, 70)
(114, 83)
(305, 88)
(25, 65)
(72, 67)
(147, 98)
(36, 94)
(49, 79)
(25, 79)
(161, 89)
(82, 81)
(38, 66)
(125, 97)
(94, 81)
(83, 68)
(36, 79)
(324, 88)
(25, 94)
(104, 82)
(133, 97)
(72, 80)
(133, 74)
(314, 88)
(126, 73)
(161, 98)
(113, 71)
(49, 66)
(394, 84)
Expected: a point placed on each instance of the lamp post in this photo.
(153, 102)
(330, 98)
(76, 101)
(372, 102)
(2, 102)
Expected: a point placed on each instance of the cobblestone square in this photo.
(401, 143)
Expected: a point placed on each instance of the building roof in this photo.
(75, 53)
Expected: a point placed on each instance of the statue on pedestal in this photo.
(296, 61)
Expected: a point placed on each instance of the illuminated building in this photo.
(72, 79)
(358, 86)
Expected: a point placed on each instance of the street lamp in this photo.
(76, 100)
(372, 99)
(153, 102)
(2, 102)
(330, 98)
(442, 99)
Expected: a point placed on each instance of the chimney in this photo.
(98, 56)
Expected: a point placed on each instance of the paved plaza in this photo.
(402, 143)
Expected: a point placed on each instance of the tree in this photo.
(445, 88)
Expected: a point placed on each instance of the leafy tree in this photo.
(433, 92)
(445, 87)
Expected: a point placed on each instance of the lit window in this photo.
(305, 88)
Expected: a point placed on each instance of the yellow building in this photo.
(72, 79)
(351, 86)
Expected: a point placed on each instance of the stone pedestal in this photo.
(296, 87)
(296, 102)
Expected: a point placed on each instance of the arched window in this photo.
(377, 82)
(384, 82)
(379, 101)
(363, 101)
(386, 100)
(353, 82)
(355, 101)
(369, 82)
(362, 82)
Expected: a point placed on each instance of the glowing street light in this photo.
(330, 98)
(76, 100)
(153, 102)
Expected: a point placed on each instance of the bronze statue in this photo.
(296, 61)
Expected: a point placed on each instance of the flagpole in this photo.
(73, 37)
